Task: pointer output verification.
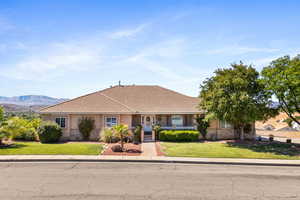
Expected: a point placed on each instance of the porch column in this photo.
(142, 135)
(153, 135)
(69, 125)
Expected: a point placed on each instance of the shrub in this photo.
(30, 135)
(86, 125)
(137, 132)
(157, 129)
(179, 135)
(108, 136)
(3, 135)
(29, 131)
(49, 132)
(21, 129)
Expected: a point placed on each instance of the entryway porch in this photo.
(165, 121)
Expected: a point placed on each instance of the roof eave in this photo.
(119, 113)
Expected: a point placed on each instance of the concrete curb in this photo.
(139, 159)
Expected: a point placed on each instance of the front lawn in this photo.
(232, 150)
(36, 148)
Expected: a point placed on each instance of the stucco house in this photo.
(132, 105)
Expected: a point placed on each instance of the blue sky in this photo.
(67, 48)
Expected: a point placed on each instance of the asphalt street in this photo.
(147, 181)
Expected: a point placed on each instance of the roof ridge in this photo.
(173, 91)
(118, 102)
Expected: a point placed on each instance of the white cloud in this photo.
(57, 59)
(128, 32)
(261, 62)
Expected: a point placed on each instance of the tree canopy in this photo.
(282, 79)
(237, 96)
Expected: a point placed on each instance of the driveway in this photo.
(147, 181)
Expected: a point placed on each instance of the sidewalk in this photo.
(147, 159)
(148, 149)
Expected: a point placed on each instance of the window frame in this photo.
(225, 124)
(61, 121)
(176, 116)
(111, 124)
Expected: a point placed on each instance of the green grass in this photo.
(36, 148)
(232, 150)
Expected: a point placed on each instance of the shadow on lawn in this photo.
(278, 148)
(13, 146)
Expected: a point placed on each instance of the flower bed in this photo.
(130, 150)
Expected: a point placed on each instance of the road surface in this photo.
(147, 181)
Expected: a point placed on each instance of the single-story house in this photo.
(132, 105)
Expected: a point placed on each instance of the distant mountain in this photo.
(20, 108)
(31, 100)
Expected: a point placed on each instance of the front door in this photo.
(147, 123)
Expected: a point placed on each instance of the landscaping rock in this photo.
(117, 148)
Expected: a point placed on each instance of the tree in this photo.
(86, 125)
(202, 125)
(237, 96)
(121, 131)
(282, 79)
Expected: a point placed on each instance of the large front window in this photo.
(110, 121)
(225, 124)
(177, 120)
(61, 121)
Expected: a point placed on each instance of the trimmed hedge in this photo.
(179, 135)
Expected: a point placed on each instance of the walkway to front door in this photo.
(149, 149)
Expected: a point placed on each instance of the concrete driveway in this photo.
(147, 181)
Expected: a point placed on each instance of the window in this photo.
(224, 124)
(110, 121)
(177, 120)
(61, 121)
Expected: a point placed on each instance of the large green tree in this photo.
(237, 96)
(282, 79)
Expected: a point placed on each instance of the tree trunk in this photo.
(122, 142)
(242, 136)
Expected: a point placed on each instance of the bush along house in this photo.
(134, 105)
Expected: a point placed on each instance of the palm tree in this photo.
(121, 131)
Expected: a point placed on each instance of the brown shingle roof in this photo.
(129, 99)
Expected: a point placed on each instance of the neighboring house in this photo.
(277, 123)
(132, 105)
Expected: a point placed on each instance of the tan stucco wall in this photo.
(126, 119)
(215, 132)
(71, 131)
(74, 131)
